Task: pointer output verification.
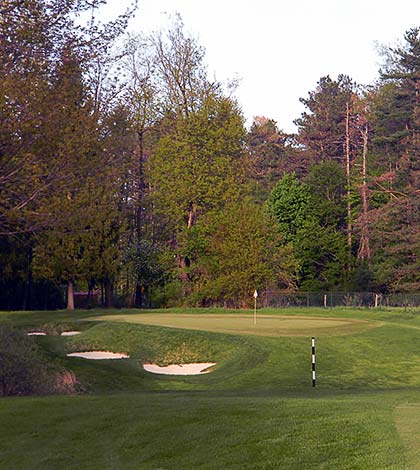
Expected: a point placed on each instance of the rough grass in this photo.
(257, 409)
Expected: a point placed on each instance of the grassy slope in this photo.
(256, 410)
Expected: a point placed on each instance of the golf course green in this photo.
(255, 409)
(262, 325)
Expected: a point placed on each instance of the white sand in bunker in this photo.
(180, 369)
(36, 333)
(70, 333)
(99, 355)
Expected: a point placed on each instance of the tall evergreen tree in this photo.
(397, 222)
(272, 154)
(322, 129)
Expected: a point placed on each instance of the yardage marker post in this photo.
(313, 362)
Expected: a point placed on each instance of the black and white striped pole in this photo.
(313, 362)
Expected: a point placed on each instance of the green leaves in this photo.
(245, 251)
(288, 203)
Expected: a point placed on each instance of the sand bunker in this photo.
(180, 369)
(36, 333)
(99, 355)
(70, 333)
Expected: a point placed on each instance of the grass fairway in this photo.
(256, 410)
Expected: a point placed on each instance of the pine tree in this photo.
(397, 222)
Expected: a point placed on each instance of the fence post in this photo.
(325, 300)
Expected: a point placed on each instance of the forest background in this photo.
(125, 170)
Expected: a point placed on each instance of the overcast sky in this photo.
(279, 49)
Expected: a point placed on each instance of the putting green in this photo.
(266, 325)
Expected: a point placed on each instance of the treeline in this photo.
(125, 169)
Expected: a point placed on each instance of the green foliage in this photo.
(322, 130)
(327, 184)
(197, 164)
(197, 167)
(397, 245)
(136, 185)
(245, 251)
(288, 204)
(142, 264)
(272, 153)
(85, 245)
(322, 254)
(396, 223)
(46, 59)
(308, 214)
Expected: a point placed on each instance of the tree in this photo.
(288, 204)
(397, 222)
(272, 153)
(307, 215)
(53, 106)
(35, 36)
(197, 165)
(181, 71)
(326, 182)
(322, 130)
(242, 250)
(83, 247)
(321, 251)
(141, 100)
(331, 131)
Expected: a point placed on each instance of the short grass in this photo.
(260, 324)
(257, 409)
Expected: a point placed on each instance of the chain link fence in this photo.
(339, 299)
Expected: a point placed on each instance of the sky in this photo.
(279, 49)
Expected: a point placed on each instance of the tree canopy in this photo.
(127, 171)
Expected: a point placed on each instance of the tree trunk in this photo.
(27, 296)
(347, 152)
(108, 294)
(89, 300)
(70, 295)
(139, 206)
(364, 247)
(184, 262)
(140, 183)
(139, 296)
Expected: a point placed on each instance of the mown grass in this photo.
(199, 431)
(257, 409)
(261, 325)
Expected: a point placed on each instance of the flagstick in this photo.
(255, 306)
